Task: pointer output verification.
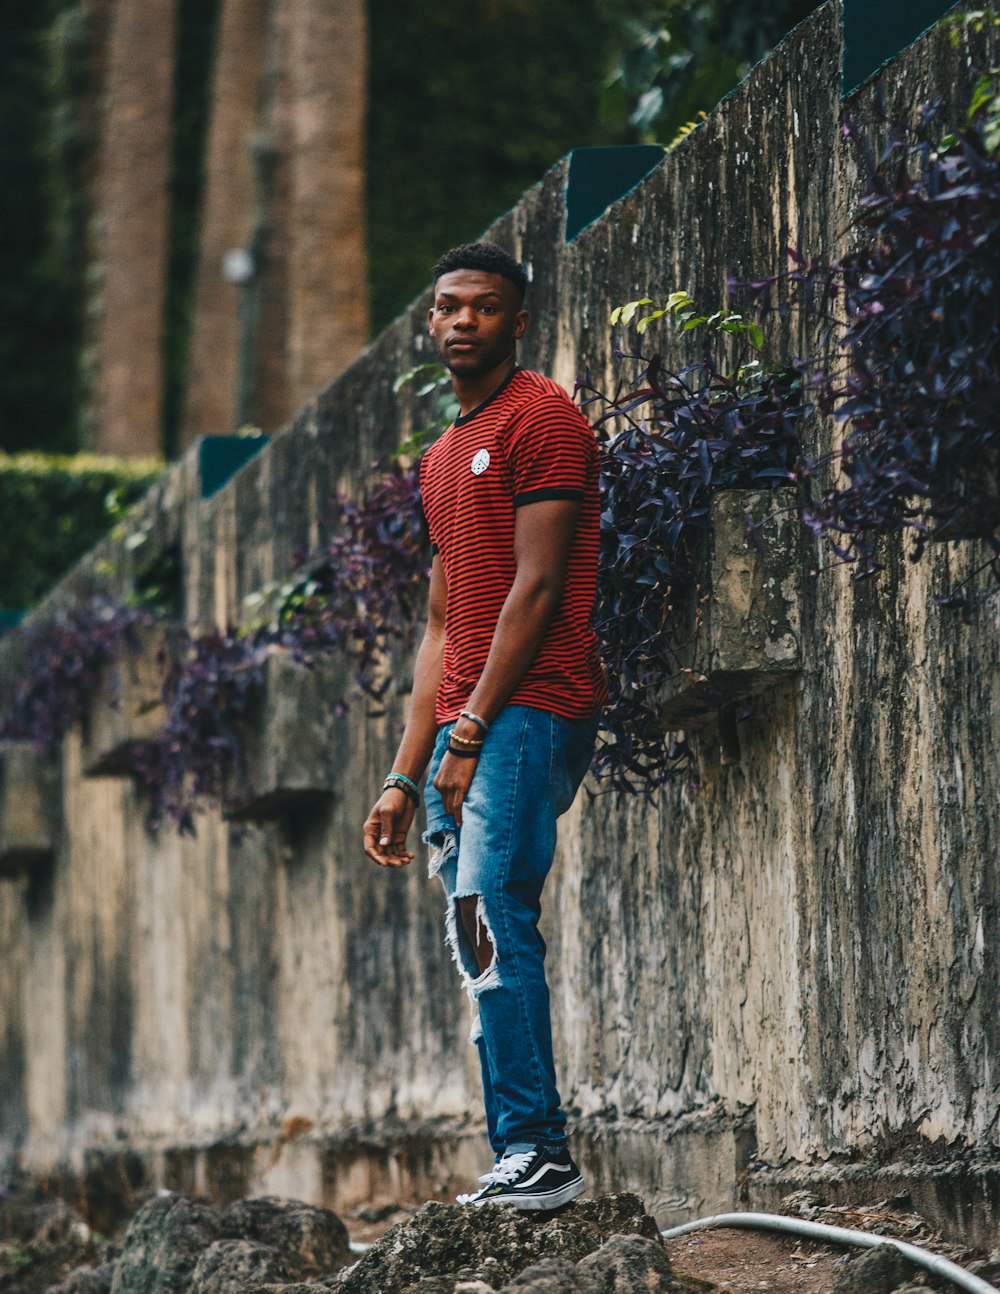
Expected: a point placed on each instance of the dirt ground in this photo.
(745, 1262)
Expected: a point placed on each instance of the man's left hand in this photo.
(452, 782)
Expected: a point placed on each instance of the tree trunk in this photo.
(131, 219)
(219, 344)
(328, 299)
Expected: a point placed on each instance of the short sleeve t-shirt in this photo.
(527, 443)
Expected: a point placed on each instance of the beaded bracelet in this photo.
(400, 782)
(462, 754)
(474, 718)
(466, 741)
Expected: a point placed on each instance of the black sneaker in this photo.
(531, 1180)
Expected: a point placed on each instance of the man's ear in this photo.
(521, 322)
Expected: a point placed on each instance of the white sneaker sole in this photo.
(532, 1202)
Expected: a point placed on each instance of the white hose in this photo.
(841, 1236)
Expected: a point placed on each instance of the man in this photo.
(506, 690)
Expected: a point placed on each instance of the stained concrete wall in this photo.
(785, 977)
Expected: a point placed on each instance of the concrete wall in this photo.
(785, 977)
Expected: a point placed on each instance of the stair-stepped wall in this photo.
(784, 977)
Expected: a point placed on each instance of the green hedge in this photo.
(56, 507)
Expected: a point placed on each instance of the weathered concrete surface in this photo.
(29, 806)
(788, 971)
(742, 629)
(128, 705)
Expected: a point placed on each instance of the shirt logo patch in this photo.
(480, 462)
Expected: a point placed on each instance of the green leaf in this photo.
(644, 323)
(628, 311)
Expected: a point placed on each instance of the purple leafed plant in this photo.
(670, 438)
(368, 586)
(66, 656)
(361, 596)
(912, 328)
(197, 758)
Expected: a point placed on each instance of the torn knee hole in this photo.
(472, 911)
(467, 921)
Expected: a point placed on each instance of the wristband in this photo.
(474, 718)
(400, 782)
(462, 754)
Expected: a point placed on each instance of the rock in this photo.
(435, 1285)
(300, 1287)
(619, 1215)
(878, 1271)
(43, 1222)
(163, 1245)
(803, 1203)
(41, 1241)
(229, 1266)
(87, 1280)
(492, 1244)
(628, 1263)
(550, 1276)
(312, 1238)
(377, 1211)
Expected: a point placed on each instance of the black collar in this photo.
(474, 413)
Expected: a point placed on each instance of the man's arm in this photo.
(389, 821)
(543, 535)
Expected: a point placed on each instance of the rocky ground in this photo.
(177, 1244)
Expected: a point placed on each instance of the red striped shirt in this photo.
(527, 443)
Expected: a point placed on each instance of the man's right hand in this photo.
(386, 828)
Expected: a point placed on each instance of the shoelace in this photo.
(508, 1168)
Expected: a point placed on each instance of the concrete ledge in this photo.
(957, 1192)
(744, 631)
(128, 707)
(290, 739)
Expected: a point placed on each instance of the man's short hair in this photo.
(483, 256)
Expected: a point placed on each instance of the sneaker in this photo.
(530, 1180)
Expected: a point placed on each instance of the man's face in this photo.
(475, 320)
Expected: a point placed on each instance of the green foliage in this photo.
(39, 263)
(466, 110)
(682, 308)
(680, 57)
(55, 508)
(984, 107)
(435, 380)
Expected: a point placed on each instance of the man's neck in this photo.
(474, 391)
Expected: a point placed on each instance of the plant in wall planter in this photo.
(252, 715)
(694, 461)
(912, 334)
(67, 657)
(293, 739)
(126, 710)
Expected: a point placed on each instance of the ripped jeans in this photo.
(532, 763)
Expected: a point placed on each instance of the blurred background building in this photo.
(211, 205)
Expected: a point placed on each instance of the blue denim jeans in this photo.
(532, 763)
